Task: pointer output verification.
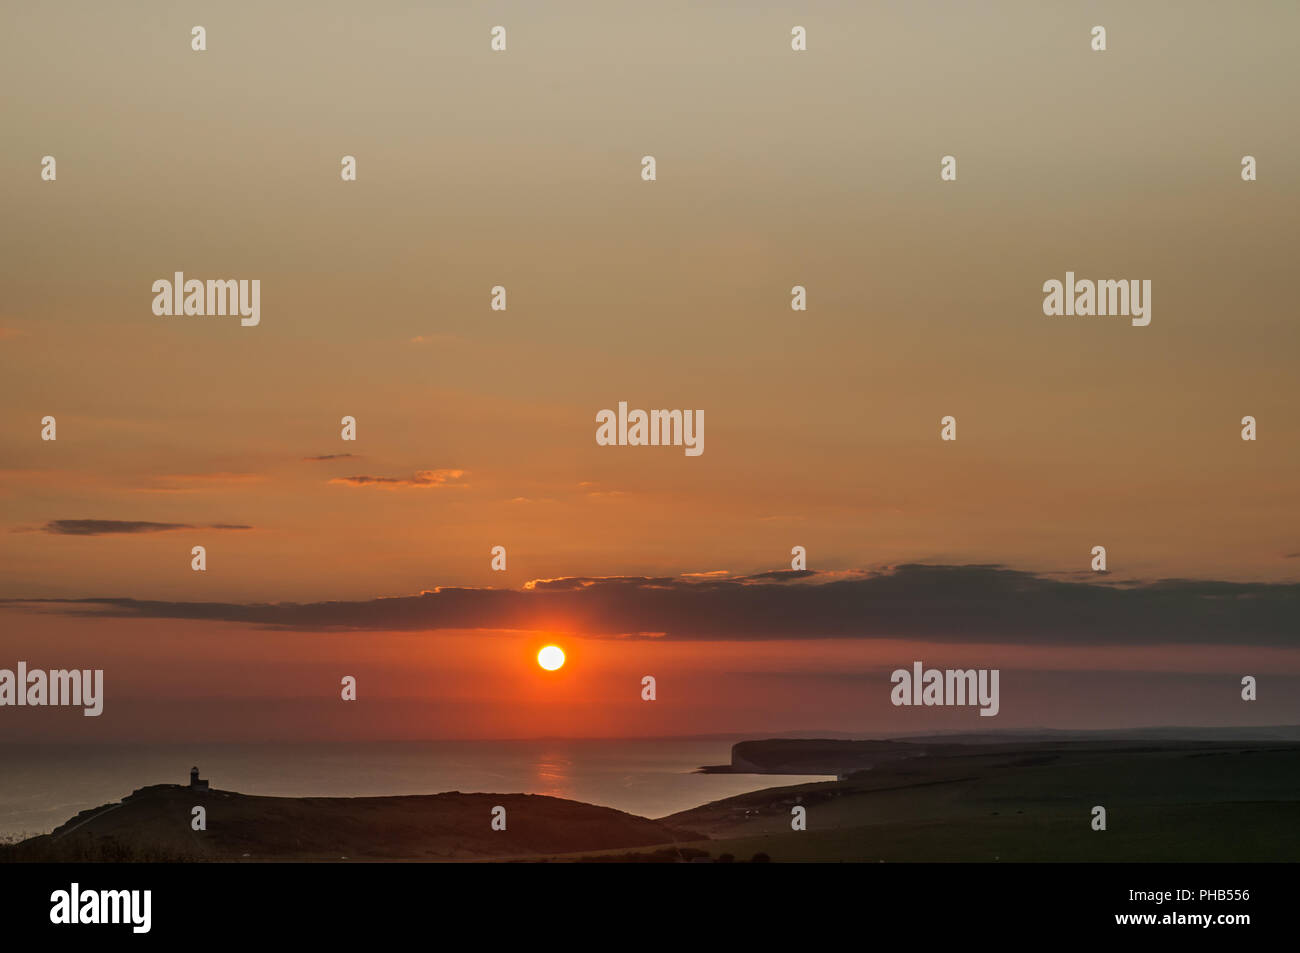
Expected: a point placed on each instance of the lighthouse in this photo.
(197, 783)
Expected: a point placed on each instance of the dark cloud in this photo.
(330, 456)
(938, 603)
(784, 574)
(110, 527)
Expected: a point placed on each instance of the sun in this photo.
(550, 658)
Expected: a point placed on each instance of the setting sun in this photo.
(550, 658)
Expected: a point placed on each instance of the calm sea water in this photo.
(41, 786)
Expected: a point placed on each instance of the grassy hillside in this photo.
(1164, 802)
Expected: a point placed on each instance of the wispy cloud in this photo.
(198, 482)
(423, 479)
(331, 456)
(130, 527)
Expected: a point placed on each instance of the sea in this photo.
(41, 786)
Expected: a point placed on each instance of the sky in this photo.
(476, 427)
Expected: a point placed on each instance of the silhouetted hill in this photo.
(840, 757)
(153, 823)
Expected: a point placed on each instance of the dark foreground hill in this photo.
(935, 800)
(154, 824)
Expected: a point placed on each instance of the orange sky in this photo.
(523, 170)
(210, 681)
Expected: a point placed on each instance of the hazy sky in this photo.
(822, 428)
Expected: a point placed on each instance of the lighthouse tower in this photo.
(197, 783)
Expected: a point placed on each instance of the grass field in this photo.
(1165, 801)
